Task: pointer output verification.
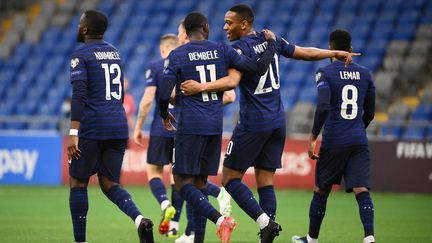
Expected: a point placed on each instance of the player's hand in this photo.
(169, 122)
(312, 145)
(191, 87)
(137, 137)
(347, 56)
(269, 35)
(73, 151)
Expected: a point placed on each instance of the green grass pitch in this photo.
(41, 214)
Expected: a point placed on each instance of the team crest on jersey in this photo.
(74, 63)
(238, 51)
(317, 77)
(148, 74)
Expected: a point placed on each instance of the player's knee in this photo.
(200, 182)
(181, 180)
(358, 190)
(230, 174)
(323, 191)
(74, 182)
(105, 183)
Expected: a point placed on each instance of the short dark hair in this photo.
(97, 22)
(244, 11)
(169, 39)
(194, 21)
(340, 39)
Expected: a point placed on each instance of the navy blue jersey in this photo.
(261, 107)
(350, 99)
(154, 77)
(204, 61)
(98, 66)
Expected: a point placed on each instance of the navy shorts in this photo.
(197, 154)
(102, 156)
(259, 149)
(160, 150)
(352, 163)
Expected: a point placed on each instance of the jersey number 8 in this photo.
(346, 101)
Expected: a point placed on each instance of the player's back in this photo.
(261, 107)
(204, 61)
(154, 77)
(98, 63)
(349, 87)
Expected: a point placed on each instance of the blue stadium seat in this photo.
(422, 112)
(414, 133)
(308, 93)
(6, 107)
(429, 133)
(393, 131)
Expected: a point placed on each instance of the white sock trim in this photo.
(263, 220)
(138, 220)
(174, 225)
(369, 238)
(219, 221)
(165, 204)
(311, 240)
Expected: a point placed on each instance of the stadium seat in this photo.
(413, 133)
(392, 131)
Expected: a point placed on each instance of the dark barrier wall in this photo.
(401, 166)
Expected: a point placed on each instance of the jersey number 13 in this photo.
(112, 69)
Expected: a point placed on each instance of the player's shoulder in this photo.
(157, 64)
(365, 72)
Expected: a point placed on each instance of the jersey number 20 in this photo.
(112, 69)
(346, 101)
(275, 84)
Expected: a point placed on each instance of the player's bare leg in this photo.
(123, 200)
(366, 210)
(154, 175)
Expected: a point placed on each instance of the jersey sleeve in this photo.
(78, 69)
(323, 106)
(284, 47)
(369, 103)
(244, 63)
(170, 73)
(78, 77)
(150, 75)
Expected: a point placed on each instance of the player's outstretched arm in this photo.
(144, 109)
(316, 54)
(192, 87)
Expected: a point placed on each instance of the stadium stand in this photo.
(394, 37)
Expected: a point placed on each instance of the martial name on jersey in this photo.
(260, 48)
